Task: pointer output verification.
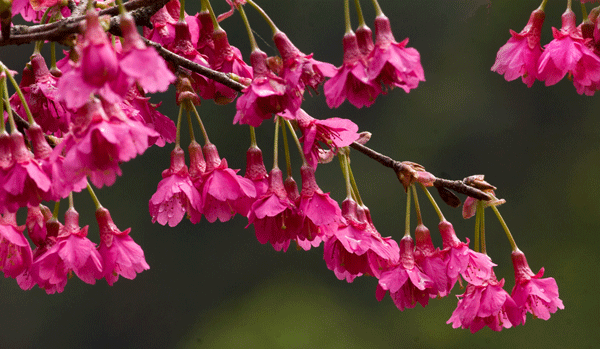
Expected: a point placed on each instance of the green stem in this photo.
(2, 84)
(178, 132)
(417, 207)
(378, 12)
(182, 10)
(253, 45)
(202, 129)
(543, 5)
(265, 16)
(347, 17)
(584, 11)
(286, 149)
(122, 10)
(357, 196)
(276, 142)
(52, 56)
(433, 203)
(11, 119)
(477, 226)
(253, 137)
(71, 205)
(21, 97)
(482, 229)
(344, 165)
(407, 219)
(511, 240)
(361, 19)
(94, 197)
(297, 141)
(190, 126)
(56, 209)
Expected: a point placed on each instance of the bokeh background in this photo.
(215, 286)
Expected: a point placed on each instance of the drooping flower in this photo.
(163, 24)
(153, 75)
(41, 98)
(257, 173)
(72, 252)
(266, 95)
(519, 56)
(334, 133)
(391, 63)
(430, 260)
(474, 267)
(483, 305)
(351, 80)
(15, 251)
(274, 215)
(568, 53)
(96, 72)
(121, 255)
(175, 194)
(406, 281)
(357, 248)
(532, 293)
(221, 186)
(227, 59)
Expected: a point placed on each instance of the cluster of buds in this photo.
(574, 51)
(88, 113)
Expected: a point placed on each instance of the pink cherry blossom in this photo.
(334, 133)
(163, 24)
(221, 187)
(175, 194)
(351, 80)
(37, 217)
(532, 293)
(568, 53)
(483, 305)
(153, 75)
(391, 63)
(15, 251)
(266, 95)
(275, 217)
(96, 72)
(121, 255)
(227, 59)
(140, 109)
(41, 98)
(519, 56)
(357, 248)
(406, 281)
(257, 173)
(430, 260)
(474, 267)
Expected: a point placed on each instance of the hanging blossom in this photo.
(568, 53)
(406, 281)
(532, 293)
(357, 248)
(431, 261)
(257, 173)
(120, 254)
(176, 194)
(163, 24)
(519, 56)
(391, 63)
(487, 304)
(15, 251)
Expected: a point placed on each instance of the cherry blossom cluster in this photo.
(73, 123)
(574, 51)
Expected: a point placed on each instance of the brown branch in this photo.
(405, 171)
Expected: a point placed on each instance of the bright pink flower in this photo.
(175, 194)
(351, 80)
(221, 187)
(227, 59)
(24, 183)
(15, 251)
(392, 63)
(140, 109)
(334, 133)
(364, 36)
(266, 95)
(321, 213)
(357, 248)
(532, 293)
(37, 217)
(431, 262)
(257, 173)
(97, 70)
(474, 267)
(205, 44)
(406, 282)
(519, 56)
(275, 217)
(41, 98)
(121, 255)
(183, 45)
(163, 24)
(153, 75)
(568, 53)
(300, 70)
(486, 305)
(99, 141)
(72, 252)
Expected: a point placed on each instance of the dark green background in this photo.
(215, 286)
